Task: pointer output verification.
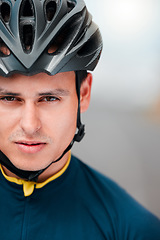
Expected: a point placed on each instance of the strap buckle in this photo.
(80, 134)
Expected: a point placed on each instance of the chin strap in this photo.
(81, 128)
(33, 175)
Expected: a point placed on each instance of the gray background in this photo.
(122, 123)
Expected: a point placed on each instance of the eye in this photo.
(8, 99)
(49, 99)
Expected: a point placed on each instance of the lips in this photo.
(30, 146)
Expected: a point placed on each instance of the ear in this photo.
(85, 92)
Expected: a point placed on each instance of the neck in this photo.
(50, 171)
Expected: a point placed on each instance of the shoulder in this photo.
(115, 205)
(100, 184)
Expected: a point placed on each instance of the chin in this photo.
(29, 165)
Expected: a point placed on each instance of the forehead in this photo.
(38, 82)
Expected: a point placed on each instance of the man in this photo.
(46, 49)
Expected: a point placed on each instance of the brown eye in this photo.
(9, 99)
(49, 99)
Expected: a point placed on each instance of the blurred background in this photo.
(123, 122)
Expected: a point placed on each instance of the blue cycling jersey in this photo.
(81, 204)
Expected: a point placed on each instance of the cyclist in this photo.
(47, 48)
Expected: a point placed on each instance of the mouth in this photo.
(30, 146)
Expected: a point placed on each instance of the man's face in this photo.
(38, 117)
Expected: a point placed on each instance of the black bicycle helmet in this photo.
(49, 36)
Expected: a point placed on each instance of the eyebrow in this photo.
(56, 92)
(5, 92)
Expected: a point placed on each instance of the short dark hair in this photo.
(82, 75)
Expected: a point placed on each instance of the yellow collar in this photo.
(28, 187)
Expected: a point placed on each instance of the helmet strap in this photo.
(81, 128)
(33, 175)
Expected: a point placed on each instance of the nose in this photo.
(30, 122)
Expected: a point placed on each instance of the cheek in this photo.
(9, 116)
(5, 131)
(6, 123)
(61, 124)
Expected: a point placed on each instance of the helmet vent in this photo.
(64, 37)
(27, 37)
(4, 50)
(52, 48)
(55, 44)
(51, 8)
(26, 25)
(5, 12)
(71, 5)
(27, 8)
